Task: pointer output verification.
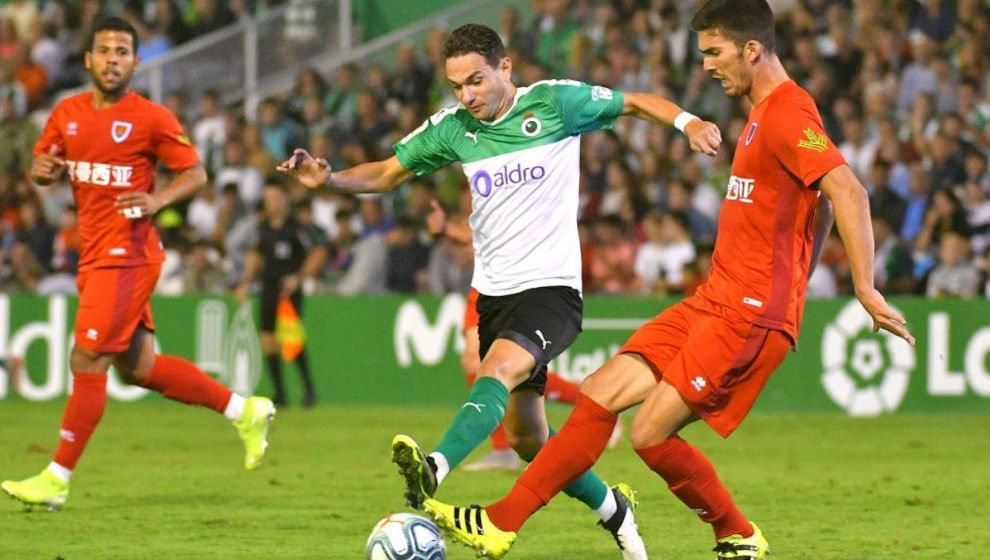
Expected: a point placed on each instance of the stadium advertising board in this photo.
(405, 351)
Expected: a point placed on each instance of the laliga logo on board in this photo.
(483, 182)
(867, 377)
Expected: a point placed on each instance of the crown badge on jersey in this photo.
(120, 130)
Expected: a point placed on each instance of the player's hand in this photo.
(48, 166)
(136, 205)
(304, 168)
(883, 316)
(436, 220)
(703, 136)
(241, 293)
(290, 284)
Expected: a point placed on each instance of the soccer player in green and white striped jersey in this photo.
(519, 147)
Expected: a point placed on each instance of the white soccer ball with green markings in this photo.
(406, 536)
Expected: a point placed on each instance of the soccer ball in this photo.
(406, 536)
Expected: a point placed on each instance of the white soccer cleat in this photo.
(622, 524)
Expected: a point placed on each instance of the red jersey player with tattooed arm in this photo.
(709, 356)
(108, 141)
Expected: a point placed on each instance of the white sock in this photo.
(59, 471)
(235, 407)
(443, 467)
(608, 507)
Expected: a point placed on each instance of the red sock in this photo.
(180, 380)
(564, 458)
(82, 414)
(561, 390)
(499, 443)
(692, 478)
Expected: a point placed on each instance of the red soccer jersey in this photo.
(766, 226)
(110, 152)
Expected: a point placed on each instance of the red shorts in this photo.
(112, 302)
(470, 311)
(718, 362)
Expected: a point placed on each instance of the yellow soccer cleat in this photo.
(471, 526)
(44, 489)
(253, 426)
(737, 547)
(416, 468)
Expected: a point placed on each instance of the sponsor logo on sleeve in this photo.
(601, 93)
(814, 141)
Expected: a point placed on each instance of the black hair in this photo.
(739, 20)
(475, 38)
(113, 23)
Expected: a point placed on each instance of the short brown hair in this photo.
(739, 20)
(475, 38)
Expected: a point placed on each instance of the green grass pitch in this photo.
(162, 480)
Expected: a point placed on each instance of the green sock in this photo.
(589, 489)
(475, 421)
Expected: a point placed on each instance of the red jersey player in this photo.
(709, 356)
(108, 141)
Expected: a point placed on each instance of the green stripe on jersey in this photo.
(541, 114)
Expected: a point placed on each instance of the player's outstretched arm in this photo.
(139, 204)
(703, 136)
(852, 215)
(372, 177)
(824, 220)
(437, 224)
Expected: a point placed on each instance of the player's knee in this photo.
(598, 388)
(525, 445)
(84, 359)
(645, 433)
(503, 372)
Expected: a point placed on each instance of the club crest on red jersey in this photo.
(120, 130)
(752, 132)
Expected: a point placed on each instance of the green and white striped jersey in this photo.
(523, 169)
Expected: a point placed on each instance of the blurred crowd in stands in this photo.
(902, 85)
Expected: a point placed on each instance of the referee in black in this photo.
(286, 253)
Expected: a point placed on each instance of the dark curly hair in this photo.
(739, 20)
(475, 38)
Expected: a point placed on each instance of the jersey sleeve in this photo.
(311, 237)
(51, 135)
(170, 144)
(799, 142)
(427, 149)
(584, 107)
